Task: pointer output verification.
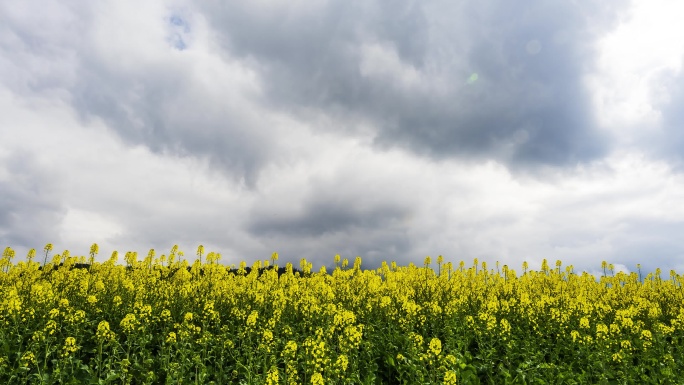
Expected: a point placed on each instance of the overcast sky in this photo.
(389, 129)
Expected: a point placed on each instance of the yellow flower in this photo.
(273, 376)
(317, 379)
(99, 286)
(188, 317)
(435, 346)
(165, 315)
(31, 254)
(53, 313)
(450, 359)
(69, 347)
(647, 338)
(104, 333)
(341, 363)
(614, 329)
(28, 359)
(646, 335)
(601, 330)
(352, 338)
(129, 323)
(252, 318)
(505, 326)
(94, 249)
(584, 323)
(290, 350)
(171, 338)
(38, 336)
(50, 327)
(575, 335)
(617, 357)
(450, 378)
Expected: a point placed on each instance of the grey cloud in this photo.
(31, 207)
(35, 56)
(162, 109)
(529, 106)
(336, 221)
(166, 123)
(321, 217)
(652, 244)
(148, 100)
(669, 143)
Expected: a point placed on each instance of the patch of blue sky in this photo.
(177, 42)
(179, 29)
(177, 21)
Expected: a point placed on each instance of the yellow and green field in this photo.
(159, 320)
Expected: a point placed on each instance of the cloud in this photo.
(213, 80)
(31, 201)
(404, 70)
(639, 84)
(391, 130)
(149, 73)
(156, 82)
(329, 223)
(321, 216)
(668, 142)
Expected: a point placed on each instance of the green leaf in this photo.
(390, 361)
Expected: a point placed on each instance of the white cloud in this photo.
(646, 45)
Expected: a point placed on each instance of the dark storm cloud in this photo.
(322, 217)
(374, 244)
(31, 207)
(528, 105)
(335, 222)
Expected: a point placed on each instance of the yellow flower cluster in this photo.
(289, 354)
(69, 347)
(129, 323)
(104, 333)
(450, 378)
(171, 338)
(28, 359)
(273, 376)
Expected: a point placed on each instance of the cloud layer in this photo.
(389, 130)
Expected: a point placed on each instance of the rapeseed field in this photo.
(160, 320)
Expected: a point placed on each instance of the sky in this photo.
(390, 130)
